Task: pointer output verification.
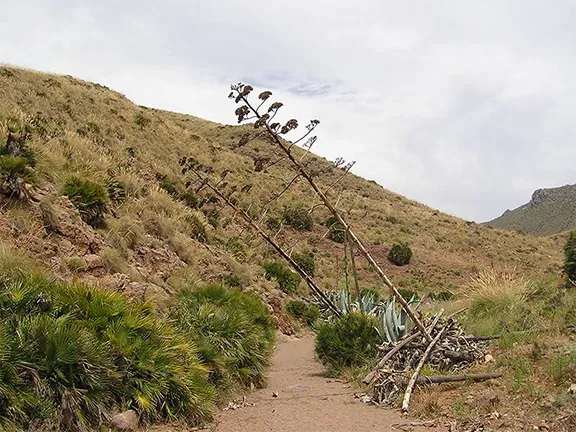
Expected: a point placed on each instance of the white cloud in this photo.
(465, 106)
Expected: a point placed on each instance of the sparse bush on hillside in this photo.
(336, 231)
(141, 120)
(570, 259)
(15, 174)
(117, 191)
(16, 161)
(298, 218)
(82, 353)
(306, 262)
(198, 229)
(232, 330)
(169, 185)
(89, 198)
(351, 340)
(287, 280)
(400, 254)
(305, 312)
(189, 198)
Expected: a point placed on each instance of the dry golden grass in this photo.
(88, 130)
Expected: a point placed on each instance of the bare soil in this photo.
(308, 401)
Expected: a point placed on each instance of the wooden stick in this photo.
(412, 382)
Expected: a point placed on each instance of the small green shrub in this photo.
(287, 280)
(408, 294)
(400, 254)
(273, 223)
(570, 259)
(170, 186)
(15, 173)
(302, 311)
(117, 191)
(306, 262)
(351, 340)
(198, 230)
(89, 198)
(232, 281)
(562, 368)
(298, 218)
(235, 246)
(141, 120)
(336, 231)
(233, 331)
(189, 198)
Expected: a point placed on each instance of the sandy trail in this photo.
(307, 401)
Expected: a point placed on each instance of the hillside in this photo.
(550, 211)
(158, 234)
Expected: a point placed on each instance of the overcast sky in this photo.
(465, 105)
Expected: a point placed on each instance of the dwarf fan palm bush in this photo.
(83, 352)
(233, 331)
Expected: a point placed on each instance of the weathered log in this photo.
(438, 379)
(459, 356)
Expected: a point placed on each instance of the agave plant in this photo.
(393, 321)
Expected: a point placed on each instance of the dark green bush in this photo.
(298, 218)
(170, 186)
(189, 198)
(400, 254)
(408, 294)
(351, 340)
(81, 353)
(89, 198)
(288, 281)
(117, 191)
(198, 230)
(273, 223)
(336, 231)
(302, 311)
(232, 281)
(570, 259)
(17, 161)
(232, 330)
(141, 120)
(15, 173)
(306, 262)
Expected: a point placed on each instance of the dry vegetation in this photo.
(89, 131)
(159, 235)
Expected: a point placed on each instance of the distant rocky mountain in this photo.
(550, 211)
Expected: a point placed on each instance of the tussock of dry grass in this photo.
(492, 291)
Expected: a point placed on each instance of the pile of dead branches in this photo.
(450, 352)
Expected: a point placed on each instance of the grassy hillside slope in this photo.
(159, 236)
(550, 211)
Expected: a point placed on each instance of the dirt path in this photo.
(307, 401)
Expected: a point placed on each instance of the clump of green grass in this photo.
(70, 355)
(287, 280)
(499, 302)
(232, 330)
(305, 312)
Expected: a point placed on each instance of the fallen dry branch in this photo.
(412, 382)
(439, 379)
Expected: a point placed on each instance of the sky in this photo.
(467, 106)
